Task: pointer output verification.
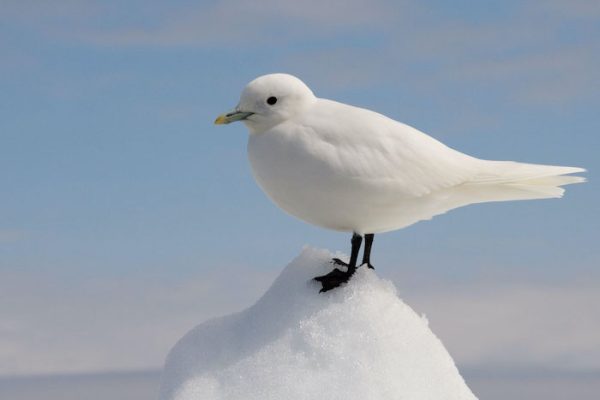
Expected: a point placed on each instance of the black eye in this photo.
(271, 100)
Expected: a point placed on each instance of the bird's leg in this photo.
(367, 251)
(368, 242)
(356, 242)
(354, 252)
(336, 277)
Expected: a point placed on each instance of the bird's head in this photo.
(268, 101)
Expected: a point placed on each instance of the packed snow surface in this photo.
(359, 341)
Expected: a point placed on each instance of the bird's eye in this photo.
(271, 100)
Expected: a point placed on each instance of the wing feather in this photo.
(368, 146)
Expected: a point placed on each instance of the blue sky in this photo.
(125, 209)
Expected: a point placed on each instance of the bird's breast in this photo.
(300, 175)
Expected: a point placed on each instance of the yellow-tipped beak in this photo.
(221, 119)
(232, 117)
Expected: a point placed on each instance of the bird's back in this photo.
(352, 169)
(371, 147)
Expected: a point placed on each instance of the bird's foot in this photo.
(337, 261)
(333, 279)
(368, 265)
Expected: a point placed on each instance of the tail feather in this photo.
(509, 180)
(515, 172)
(496, 181)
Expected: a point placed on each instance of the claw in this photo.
(337, 261)
(333, 279)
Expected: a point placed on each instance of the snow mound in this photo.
(356, 342)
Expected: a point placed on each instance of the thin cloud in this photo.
(522, 54)
(225, 23)
(520, 57)
(11, 235)
(50, 326)
(526, 326)
(583, 9)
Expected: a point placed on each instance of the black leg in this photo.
(336, 277)
(356, 242)
(367, 252)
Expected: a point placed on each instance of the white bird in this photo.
(354, 170)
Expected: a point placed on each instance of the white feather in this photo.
(350, 169)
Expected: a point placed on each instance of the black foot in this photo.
(337, 261)
(333, 279)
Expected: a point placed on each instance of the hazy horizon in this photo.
(138, 385)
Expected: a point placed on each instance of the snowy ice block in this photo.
(359, 341)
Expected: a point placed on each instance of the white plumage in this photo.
(350, 169)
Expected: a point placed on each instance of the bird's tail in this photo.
(509, 180)
(494, 181)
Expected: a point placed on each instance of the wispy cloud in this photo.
(229, 22)
(11, 235)
(584, 9)
(517, 326)
(524, 51)
(51, 326)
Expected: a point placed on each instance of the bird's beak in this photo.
(232, 116)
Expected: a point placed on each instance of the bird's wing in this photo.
(368, 146)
